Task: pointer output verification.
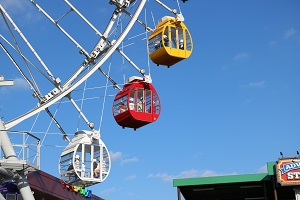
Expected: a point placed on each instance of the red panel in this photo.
(132, 118)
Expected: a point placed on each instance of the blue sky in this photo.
(228, 109)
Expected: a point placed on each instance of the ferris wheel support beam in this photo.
(67, 89)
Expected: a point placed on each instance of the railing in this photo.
(26, 146)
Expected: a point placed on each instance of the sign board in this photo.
(288, 171)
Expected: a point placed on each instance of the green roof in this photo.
(221, 179)
(243, 186)
(227, 179)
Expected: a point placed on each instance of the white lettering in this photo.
(297, 175)
(290, 176)
(293, 175)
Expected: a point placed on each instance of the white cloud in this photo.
(114, 156)
(130, 177)
(124, 159)
(263, 169)
(241, 57)
(16, 7)
(132, 195)
(187, 174)
(208, 173)
(4, 90)
(21, 12)
(15, 4)
(273, 43)
(193, 173)
(290, 33)
(164, 176)
(20, 83)
(108, 191)
(260, 84)
(197, 155)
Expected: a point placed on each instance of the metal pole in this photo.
(24, 188)
(178, 193)
(166, 7)
(90, 124)
(65, 136)
(297, 192)
(1, 197)
(6, 145)
(5, 174)
(5, 82)
(274, 188)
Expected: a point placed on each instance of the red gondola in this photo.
(137, 104)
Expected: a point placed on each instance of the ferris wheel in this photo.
(129, 30)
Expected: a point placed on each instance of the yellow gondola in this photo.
(170, 42)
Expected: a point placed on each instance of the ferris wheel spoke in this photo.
(139, 21)
(55, 22)
(4, 13)
(141, 71)
(174, 11)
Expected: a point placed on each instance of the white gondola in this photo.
(85, 161)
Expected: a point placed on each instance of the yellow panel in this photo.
(166, 55)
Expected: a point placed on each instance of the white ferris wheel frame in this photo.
(66, 88)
